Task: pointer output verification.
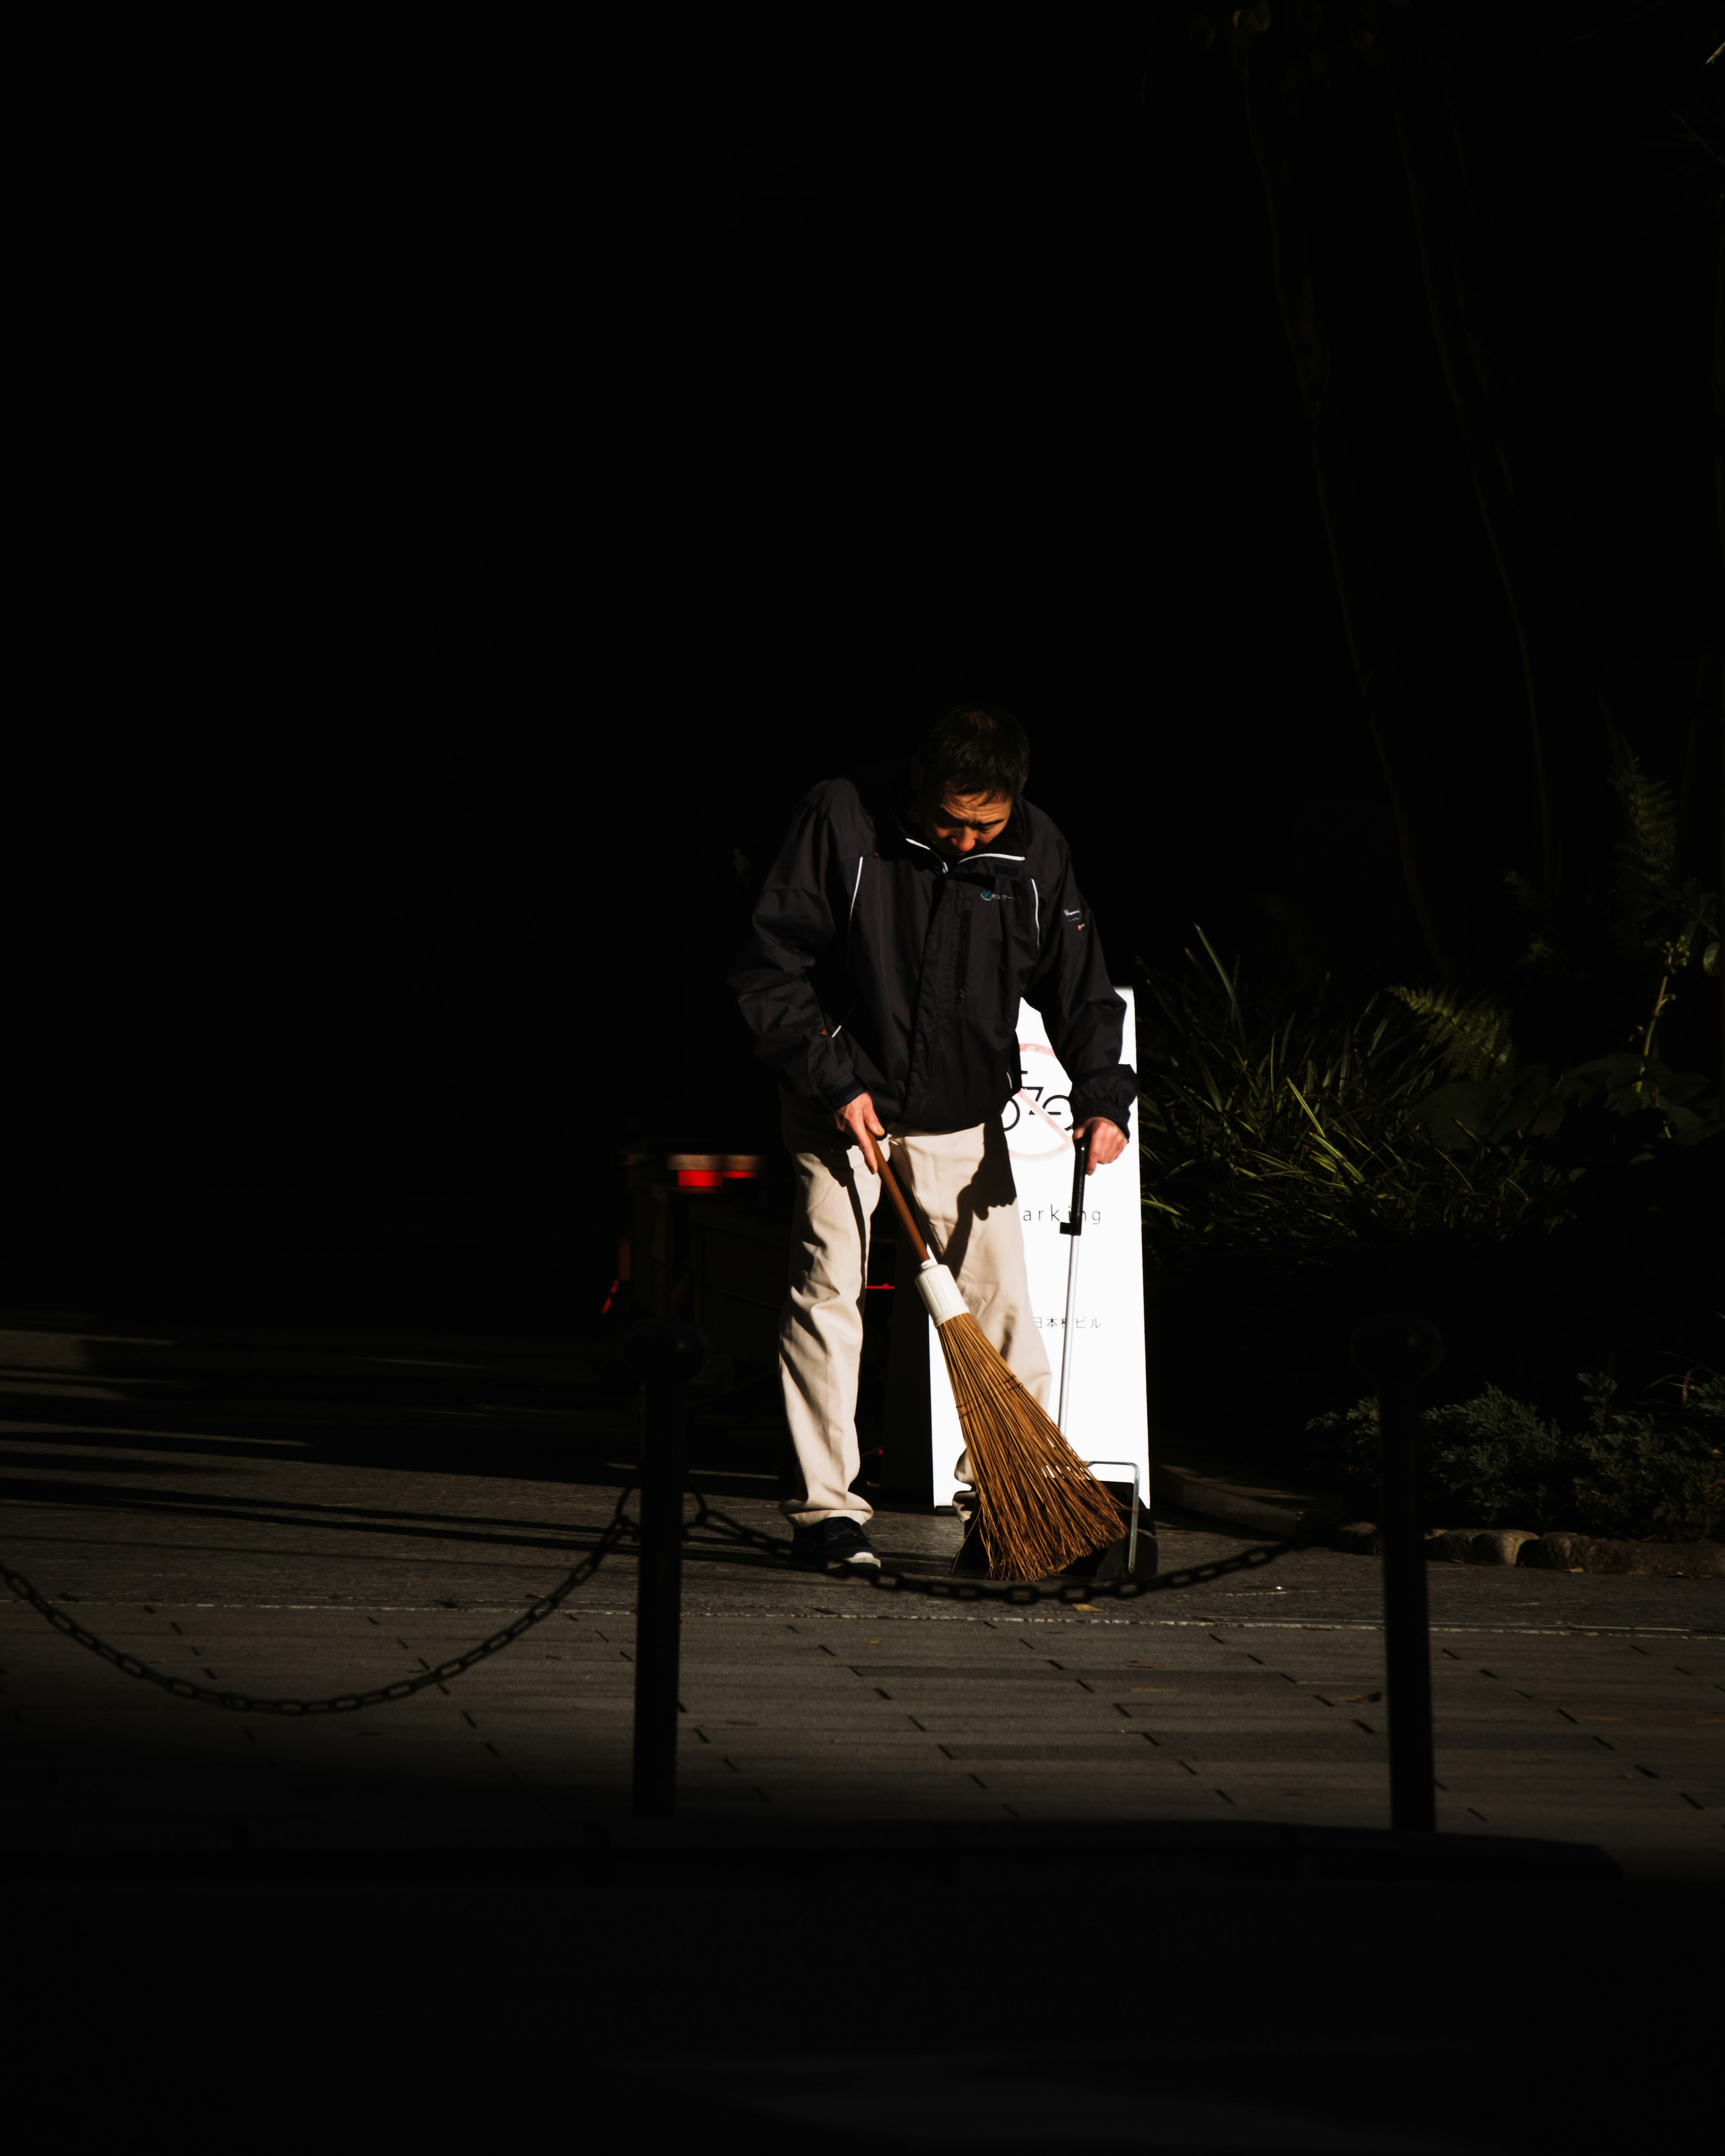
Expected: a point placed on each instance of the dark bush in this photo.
(1495, 1461)
(1309, 1162)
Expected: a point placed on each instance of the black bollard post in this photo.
(667, 1355)
(1396, 1353)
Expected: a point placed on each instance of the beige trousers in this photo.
(960, 1186)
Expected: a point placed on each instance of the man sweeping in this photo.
(910, 909)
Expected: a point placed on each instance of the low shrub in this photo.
(1308, 1163)
(1270, 1121)
(1495, 1461)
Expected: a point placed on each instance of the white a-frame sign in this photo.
(1107, 1414)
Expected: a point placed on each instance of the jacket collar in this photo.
(1003, 861)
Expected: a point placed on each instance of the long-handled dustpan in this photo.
(1073, 1225)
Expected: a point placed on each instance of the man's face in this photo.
(959, 824)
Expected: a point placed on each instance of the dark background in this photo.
(469, 520)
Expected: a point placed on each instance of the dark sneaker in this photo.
(832, 1546)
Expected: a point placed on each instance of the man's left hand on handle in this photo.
(1107, 1141)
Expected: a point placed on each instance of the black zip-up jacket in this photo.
(872, 965)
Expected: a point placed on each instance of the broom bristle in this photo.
(1039, 1506)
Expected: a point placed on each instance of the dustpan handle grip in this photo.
(1073, 1224)
(897, 1196)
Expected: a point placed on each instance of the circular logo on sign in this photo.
(1038, 1121)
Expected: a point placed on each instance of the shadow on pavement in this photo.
(1166, 1988)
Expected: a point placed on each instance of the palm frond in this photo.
(1646, 854)
(1473, 1036)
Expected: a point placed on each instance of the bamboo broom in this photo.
(1039, 1507)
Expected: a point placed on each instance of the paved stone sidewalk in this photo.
(259, 1530)
(1612, 1739)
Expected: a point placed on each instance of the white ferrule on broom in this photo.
(1039, 1506)
(939, 1291)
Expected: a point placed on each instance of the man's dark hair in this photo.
(976, 748)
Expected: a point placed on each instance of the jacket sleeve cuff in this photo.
(835, 1101)
(1117, 1110)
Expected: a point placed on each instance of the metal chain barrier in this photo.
(893, 1579)
(1396, 1353)
(240, 1703)
(886, 1578)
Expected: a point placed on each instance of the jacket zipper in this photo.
(944, 870)
(961, 972)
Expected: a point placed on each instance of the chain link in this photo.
(240, 1703)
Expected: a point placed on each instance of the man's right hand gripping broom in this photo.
(860, 1124)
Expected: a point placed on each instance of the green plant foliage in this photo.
(1303, 1160)
(1611, 1112)
(1609, 958)
(1266, 1120)
(1473, 1038)
(1494, 1461)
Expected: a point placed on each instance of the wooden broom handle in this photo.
(897, 1196)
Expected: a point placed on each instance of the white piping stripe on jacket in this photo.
(848, 918)
(927, 849)
(1036, 901)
